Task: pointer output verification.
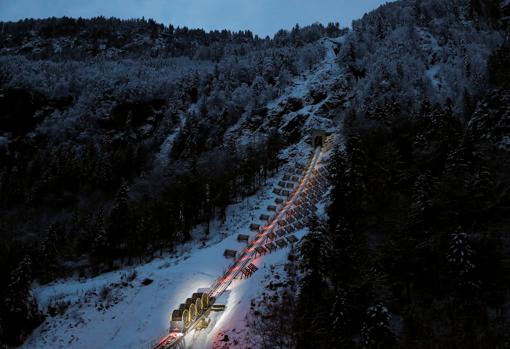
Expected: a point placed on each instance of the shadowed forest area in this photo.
(415, 253)
(118, 137)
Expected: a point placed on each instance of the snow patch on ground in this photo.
(433, 74)
(505, 142)
(166, 147)
(4, 140)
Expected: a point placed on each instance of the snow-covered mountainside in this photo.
(106, 159)
(132, 154)
(116, 309)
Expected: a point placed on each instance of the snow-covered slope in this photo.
(116, 310)
(132, 314)
(312, 101)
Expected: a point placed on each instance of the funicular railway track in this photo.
(197, 308)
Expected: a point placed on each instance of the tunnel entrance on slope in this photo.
(318, 137)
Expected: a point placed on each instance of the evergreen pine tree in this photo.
(49, 250)
(375, 332)
(355, 179)
(18, 303)
(421, 206)
(313, 317)
(100, 246)
(340, 322)
(339, 204)
(461, 260)
(119, 218)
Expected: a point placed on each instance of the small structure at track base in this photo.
(230, 253)
(265, 217)
(243, 238)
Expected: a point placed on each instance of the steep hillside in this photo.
(414, 251)
(119, 139)
(111, 158)
(98, 310)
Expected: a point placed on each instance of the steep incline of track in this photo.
(249, 254)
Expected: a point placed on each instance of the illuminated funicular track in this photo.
(196, 308)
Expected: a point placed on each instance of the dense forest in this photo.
(107, 159)
(415, 251)
(117, 137)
